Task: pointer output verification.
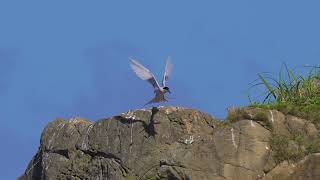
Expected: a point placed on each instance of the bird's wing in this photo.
(144, 73)
(167, 71)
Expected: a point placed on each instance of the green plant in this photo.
(289, 87)
(287, 148)
(292, 146)
(279, 145)
(313, 147)
(297, 95)
(236, 114)
(262, 117)
(293, 94)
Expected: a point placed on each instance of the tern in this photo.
(145, 74)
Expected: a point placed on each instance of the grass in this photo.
(297, 95)
(237, 114)
(264, 119)
(309, 110)
(289, 87)
(292, 147)
(292, 94)
(313, 147)
(285, 148)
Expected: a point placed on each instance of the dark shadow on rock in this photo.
(148, 127)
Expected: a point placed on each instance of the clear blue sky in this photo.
(68, 58)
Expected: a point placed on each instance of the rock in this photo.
(243, 149)
(159, 143)
(302, 126)
(307, 168)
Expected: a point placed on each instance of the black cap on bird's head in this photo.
(167, 89)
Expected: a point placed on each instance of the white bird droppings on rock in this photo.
(232, 138)
(252, 125)
(189, 140)
(129, 115)
(271, 116)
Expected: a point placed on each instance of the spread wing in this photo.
(144, 73)
(167, 71)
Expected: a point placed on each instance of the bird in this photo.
(145, 74)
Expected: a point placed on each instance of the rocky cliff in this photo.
(178, 143)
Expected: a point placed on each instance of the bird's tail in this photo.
(150, 102)
(156, 99)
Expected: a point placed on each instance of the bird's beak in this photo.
(169, 91)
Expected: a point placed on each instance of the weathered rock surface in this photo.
(307, 168)
(167, 143)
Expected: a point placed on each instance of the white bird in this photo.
(144, 73)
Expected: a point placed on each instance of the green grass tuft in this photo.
(291, 147)
(297, 95)
(237, 114)
(313, 147)
(290, 88)
(262, 117)
(293, 94)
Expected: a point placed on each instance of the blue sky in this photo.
(70, 58)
